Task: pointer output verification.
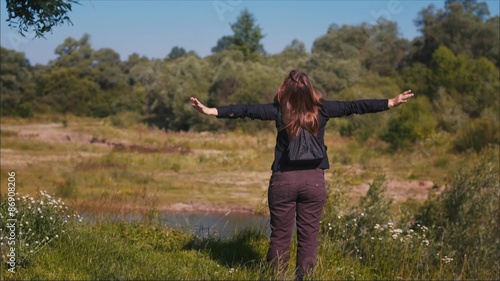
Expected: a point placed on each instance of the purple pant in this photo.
(295, 198)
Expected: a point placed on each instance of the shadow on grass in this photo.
(242, 250)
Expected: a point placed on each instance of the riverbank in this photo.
(94, 165)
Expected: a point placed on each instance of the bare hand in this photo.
(196, 104)
(401, 98)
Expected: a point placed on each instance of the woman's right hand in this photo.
(196, 104)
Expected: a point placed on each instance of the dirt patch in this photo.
(57, 133)
(148, 149)
(401, 191)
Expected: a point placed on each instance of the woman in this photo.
(297, 190)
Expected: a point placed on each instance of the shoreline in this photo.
(177, 208)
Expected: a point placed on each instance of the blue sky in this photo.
(153, 28)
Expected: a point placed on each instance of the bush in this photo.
(476, 135)
(39, 221)
(370, 234)
(413, 122)
(465, 218)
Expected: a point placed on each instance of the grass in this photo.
(214, 169)
(231, 170)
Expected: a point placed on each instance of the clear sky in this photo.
(153, 28)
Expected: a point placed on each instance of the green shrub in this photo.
(476, 135)
(465, 219)
(372, 236)
(39, 221)
(413, 122)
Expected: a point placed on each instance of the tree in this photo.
(463, 27)
(223, 44)
(247, 36)
(176, 52)
(16, 85)
(377, 47)
(41, 16)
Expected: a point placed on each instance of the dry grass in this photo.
(99, 166)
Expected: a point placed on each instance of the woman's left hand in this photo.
(401, 98)
(196, 104)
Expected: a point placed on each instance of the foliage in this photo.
(245, 39)
(454, 64)
(39, 222)
(465, 217)
(477, 135)
(413, 122)
(16, 84)
(472, 83)
(462, 26)
(41, 16)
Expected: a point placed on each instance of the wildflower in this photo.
(330, 228)
(447, 259)
(354, 220)
(390, 224)
(426, 242)
(362, 214)
(338, 216)
(372, 238)
(377, 226)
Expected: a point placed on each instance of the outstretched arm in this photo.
(401, 98)
(196, 104)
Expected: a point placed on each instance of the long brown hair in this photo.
(299, 103)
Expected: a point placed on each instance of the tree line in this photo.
(453, 67)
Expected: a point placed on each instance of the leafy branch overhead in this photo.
(38, 16)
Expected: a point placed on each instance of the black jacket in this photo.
(329, 109)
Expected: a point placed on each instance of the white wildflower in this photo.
(447, 259)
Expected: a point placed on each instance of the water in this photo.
(220, 224)
(224, 225)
